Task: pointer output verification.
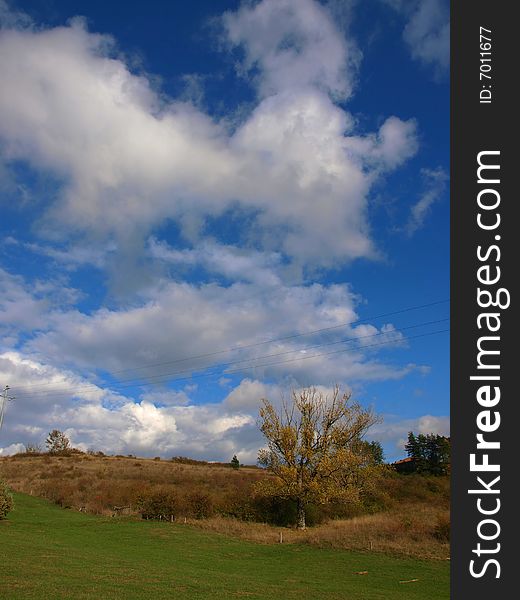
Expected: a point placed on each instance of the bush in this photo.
(283, 511)
(6, 501)
(33, 449)
(159, 504)
(200, 505)
(442, 528)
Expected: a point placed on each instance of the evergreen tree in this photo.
(431, 453)
(57, 442)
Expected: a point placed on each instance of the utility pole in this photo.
(3, 401)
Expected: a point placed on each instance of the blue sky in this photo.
(203, 204)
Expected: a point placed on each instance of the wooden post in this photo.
(281, 537)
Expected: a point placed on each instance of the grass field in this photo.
(49, 552)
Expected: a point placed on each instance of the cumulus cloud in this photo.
(19, 309)
(186, 330)
(199, 320)
(164, 422)
(249, 393)
(128, 158)
(12, 449)
(291, 45)
(126, 161)
(97, 417)
(25, 308)
(166, 398)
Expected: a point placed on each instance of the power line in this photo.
(151, 378)
(164, 377)
(269, 341)
(420, 335)
(247, 368)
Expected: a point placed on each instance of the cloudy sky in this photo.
(204, 204)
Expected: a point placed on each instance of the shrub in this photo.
(6, 500)
(184, 460)
(243, 511)
(442, 528)
(200, 505)
(157, 504)
(33, 449)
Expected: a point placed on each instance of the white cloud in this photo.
(13, 18)
(395, 143)
(181, 329)
(248, 394)
(19, 308)
(231, 262)
(427, 31)
(174, 322)
(91, 420)
(292, 45)
(74, 256)
(129, 158)
(96, 417)
(435, 185)
(394, 432)
(166, 398)
(12, 449)
(26, 308)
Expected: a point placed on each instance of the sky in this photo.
(209, 203)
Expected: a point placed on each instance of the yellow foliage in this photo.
(313, 448)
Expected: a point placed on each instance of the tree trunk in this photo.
(301, 513)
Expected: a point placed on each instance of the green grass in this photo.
(48, 552)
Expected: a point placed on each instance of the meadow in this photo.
(51, 552)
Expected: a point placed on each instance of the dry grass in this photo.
(98, 484)
(414, 533)
(411, 531)
(410, 513)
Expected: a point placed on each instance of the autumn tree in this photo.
(313, 449)
(57, 442)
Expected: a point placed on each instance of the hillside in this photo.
(405, 514)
